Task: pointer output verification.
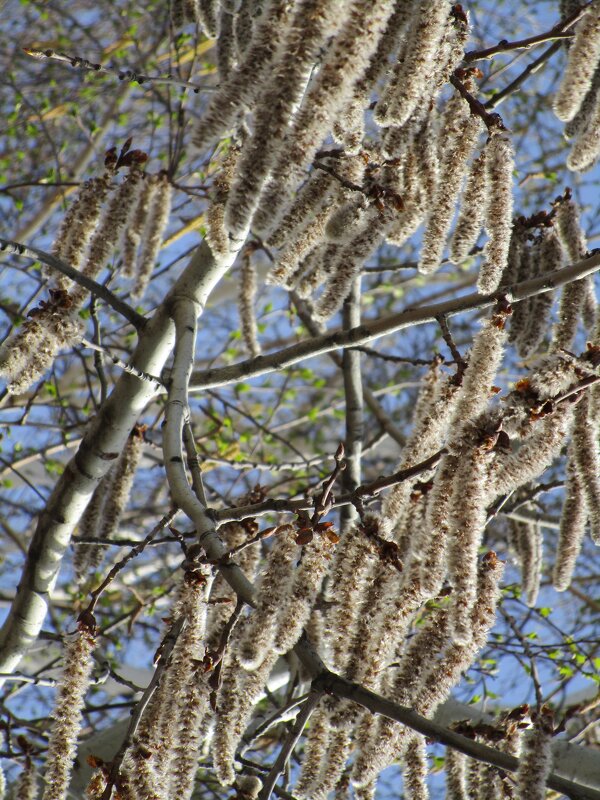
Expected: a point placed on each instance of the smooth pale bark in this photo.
(102, 443)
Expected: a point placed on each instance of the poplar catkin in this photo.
(67, 714)
(247, 298)
(572, 528)
(535, 763)
(346, 59)
(411, 75)
(582, 61)
(313, 22)
(243, 84)
(158, 219)
(499, 210)
(472, 211)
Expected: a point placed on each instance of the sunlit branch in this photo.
(111, 299)
(128, 75)
(369, 331)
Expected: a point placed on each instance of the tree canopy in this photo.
(300, 399)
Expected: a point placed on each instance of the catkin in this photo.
(455, 769)
(276, 586)
(500, 166)
(67, 713)
(411, 76)
(243, 84)
(158, 218)
(135, 231)
(572, 528)
(247, 298)
(309, 28)
(346, 59)
(535, 763)
(444, 202)
(582, 61)
(415, 770)
(587, 458)
(472, 211)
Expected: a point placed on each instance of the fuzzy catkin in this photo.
(584, 54)
(472, 211)
(27, 355)
(528, 539)
(67, 713)
(158, 218)
(535, 763)
(117, 215)
(247, 310)
(572, 528)
(500, 166)
(549, 255)
(415, 770)
(313, 22)
(586, 452)
(346, 59)
(444, 203)
(317, 740)
(244, 82)
(135, 231)
(276, 587)
(411, 76)
(586, 147)
(79, 224)
(455, 771)
(26, 787)
(296, 607)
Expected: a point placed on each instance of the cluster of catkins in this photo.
(406, 626)
(131, 216)
(407, 605)
(577, 101)
(322, 225)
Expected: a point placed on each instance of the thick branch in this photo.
(339, 687)
(353, 394)
(103, 441)
(368, 332)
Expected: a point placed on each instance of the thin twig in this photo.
(290, 743)
(111, 299)
(558, 31)
(165, 650)
(122, 74)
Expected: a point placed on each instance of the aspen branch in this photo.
(354, 405)
(339, 687)
(103, 292)
(559, 31)
(369, 331)
(128, 75)
(103, 441)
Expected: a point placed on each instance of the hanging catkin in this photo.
(472, 211)
(572, 528)
(67, 714)
(500, 166)
(346, 59)
(535, 763)
(582, 61)
(411, 75)
(243, 84)
(313, 22)
(158, 218)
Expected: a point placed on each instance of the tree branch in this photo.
(368, 332)
(339, 687)
(103, 441)
(103, 292)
